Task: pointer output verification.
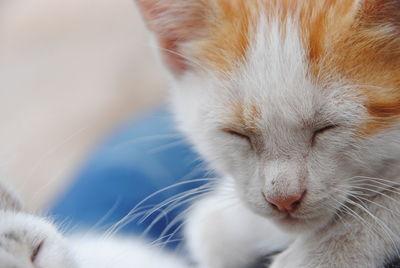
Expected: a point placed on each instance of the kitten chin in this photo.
(291, 223)
(300, 226)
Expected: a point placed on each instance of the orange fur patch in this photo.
(358, 40)
(230, 25)
(244, 119)
(364, 48)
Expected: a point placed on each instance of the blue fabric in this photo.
(140, 158)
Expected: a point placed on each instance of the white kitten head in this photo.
(298, 101)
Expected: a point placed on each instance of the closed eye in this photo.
(320, 132)
(236, 134)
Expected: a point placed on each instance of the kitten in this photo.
(297, 104)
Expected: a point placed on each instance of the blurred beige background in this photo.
(69, 72)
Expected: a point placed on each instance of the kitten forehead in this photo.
(294, 47)
(274, 76)
(231, 26)
(274, 70)
(356, 41)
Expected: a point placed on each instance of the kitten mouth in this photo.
(298, 220)
(292, 219)
(289, 218)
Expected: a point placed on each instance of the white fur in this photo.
(118, 252)
(232, 226)
(21, 233)
(224, 233)
(275, 79)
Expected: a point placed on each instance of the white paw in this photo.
(286, 263)
(296, 256)
(222, 233)
(27, 241)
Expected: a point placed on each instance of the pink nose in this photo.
(286, 203)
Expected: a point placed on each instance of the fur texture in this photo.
(285, 98)
(29, 241)
(291, 98)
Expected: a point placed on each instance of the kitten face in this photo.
(261, 127)
(290, 98)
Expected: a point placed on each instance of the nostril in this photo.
(296, 204)
(273, 205)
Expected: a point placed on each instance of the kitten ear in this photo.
(174, 22)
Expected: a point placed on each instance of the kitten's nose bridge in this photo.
(285, 177)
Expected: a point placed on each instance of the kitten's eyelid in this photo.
(322, 130)
(235, 133)
(325, 128)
